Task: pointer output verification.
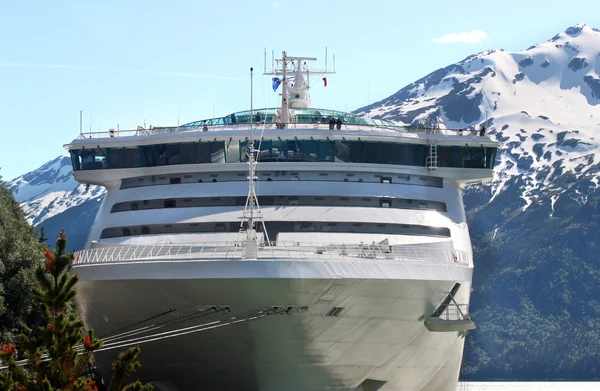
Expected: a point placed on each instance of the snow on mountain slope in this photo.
(543, 103)
(51, 190)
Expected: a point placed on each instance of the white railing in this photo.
(272, 126)
(222, 251)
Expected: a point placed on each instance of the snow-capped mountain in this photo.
(543, 103)
(52, 199)
(51, 190)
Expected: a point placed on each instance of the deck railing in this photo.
(271, 126)
(224, 251)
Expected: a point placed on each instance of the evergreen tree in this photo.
(59, 353)
(43, 237)
(20, 254)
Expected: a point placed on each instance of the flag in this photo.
(276, 83)
(325, 81)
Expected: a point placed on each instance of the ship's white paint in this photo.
(309, 311)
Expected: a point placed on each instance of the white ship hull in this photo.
(378, 340)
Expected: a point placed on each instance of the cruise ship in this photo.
(282, 249)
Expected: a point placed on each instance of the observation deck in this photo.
(305, 118)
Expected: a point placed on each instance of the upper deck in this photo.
(308, 138)
(303, 118)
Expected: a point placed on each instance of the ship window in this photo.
(386, 180)
(173, 154)
(170, 204)
(357, 152)
(174, 181)
(126, 231)
(92, 159)
(188, 154)
(372, 153)
(134, 206)
(385, 203)
(217, 152)
(145, 230)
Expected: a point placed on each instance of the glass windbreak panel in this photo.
(149, 154)
(294, 153)
(415, 155)
(386, 153)
(264, 151)
(446, 157)
(188, 153)
(309, 150)
(217, 152)
(132, 157)
(372, 153)
(279, 150)
(490, 157)
(232, 152)
(243, 151)
(92, 159)
(473, 157)
(357, 152)
(326, 151)
(173, 154)
(75, 162)
(342, 151)
(160, 150)
(203, 154)
(118, 158)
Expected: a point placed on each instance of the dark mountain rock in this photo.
(577, 64)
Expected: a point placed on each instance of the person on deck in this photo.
(233, 119)
(204, 127)
(482, 131)
(339, 123)
(331, 123)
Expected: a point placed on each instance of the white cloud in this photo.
(474, 36)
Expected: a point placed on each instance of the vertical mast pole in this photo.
(251, 168)
(80, 122)
(251, 96)
(285, 114)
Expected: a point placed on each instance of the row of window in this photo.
(269, 176)
(276, 227)
(196, 202)
(280, 151)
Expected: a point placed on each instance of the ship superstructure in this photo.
(359, 278)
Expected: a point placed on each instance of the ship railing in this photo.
(455, 312)
(224, 251)
(271, 126)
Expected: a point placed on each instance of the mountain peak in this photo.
(576, 31)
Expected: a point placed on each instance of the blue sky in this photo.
(123, 62)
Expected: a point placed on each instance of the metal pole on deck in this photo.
(80, 122)
(251, 95)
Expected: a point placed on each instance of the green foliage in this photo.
(58, 353)
(536, 298)
(20, 253)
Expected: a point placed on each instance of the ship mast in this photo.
(252, 213)
(294, 88)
